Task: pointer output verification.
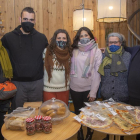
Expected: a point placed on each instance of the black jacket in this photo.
(25, 51)
(134, 72)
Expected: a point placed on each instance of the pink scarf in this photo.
(90, 46)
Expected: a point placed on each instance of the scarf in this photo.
(59, 57)
(90, 46)
(113, 61)
(5, 62)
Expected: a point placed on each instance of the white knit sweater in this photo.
(57, 82)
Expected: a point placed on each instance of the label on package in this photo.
(77, 118)
(129, 107)
(100, 117)
(98, 102)
(106, 105)
(112, 111)
(82, 109)
(87, 104)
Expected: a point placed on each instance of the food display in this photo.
(104, 114)
(122, 124)
(17, 119)
(128, 117)
(94, 122)
(54, 108)
(30, 126)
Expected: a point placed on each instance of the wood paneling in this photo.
(55, 14)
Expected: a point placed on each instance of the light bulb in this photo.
(110, 7)
(83, 19)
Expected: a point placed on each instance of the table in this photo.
(114, 131)
(62, 131)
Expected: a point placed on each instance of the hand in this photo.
(91, 99)
(102, 49)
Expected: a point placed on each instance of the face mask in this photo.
(61, 44)
(114, 48)
(84, 40)
(27, 26)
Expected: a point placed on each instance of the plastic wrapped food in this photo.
(54, 108)
(17, 119)
(15, 122)
(94, 121)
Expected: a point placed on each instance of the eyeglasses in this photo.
(113, 42)
(31, 20)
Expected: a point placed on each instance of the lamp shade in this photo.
(111, 10)
(82, 18)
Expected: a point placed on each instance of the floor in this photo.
(96, 135)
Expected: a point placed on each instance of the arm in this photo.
(128, 49)
(132, 50)
(96, 78)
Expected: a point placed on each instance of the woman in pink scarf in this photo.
(85, 79)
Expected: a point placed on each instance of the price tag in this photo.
(129, 107)
(111, 103)
(112, 111)
(98, 102)
(87, 104)
(106, 105)
(77, 118)
(100, 117)
(82, 109)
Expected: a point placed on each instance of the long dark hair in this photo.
(77, 37)
(52, 44)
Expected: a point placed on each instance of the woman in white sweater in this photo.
(57, 67)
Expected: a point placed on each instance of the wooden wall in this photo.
(54, 14)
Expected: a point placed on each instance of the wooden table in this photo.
(114, 131)
(62, 131)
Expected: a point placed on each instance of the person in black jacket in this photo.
(26, 46)
(134, 77)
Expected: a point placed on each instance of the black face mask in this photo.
(27, 26)
(61, 44)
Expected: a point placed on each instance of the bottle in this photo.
(30, 126)
(47, 124)
(38, 123)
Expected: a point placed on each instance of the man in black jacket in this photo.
(134, 77)
(26, 46)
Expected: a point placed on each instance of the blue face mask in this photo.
(84, 40)
(114, 48)
(61, 44)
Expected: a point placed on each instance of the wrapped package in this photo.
(17, 119)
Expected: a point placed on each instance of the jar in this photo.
(38, 123)
(30, 126)
(47, 124)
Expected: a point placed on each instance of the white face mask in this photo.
(84, 40)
